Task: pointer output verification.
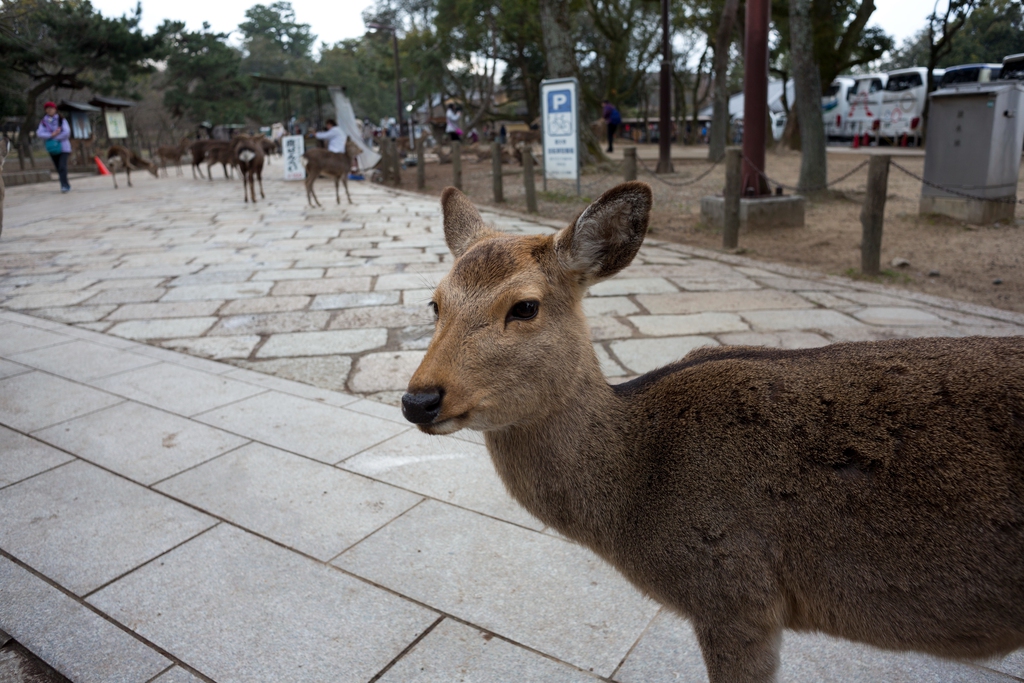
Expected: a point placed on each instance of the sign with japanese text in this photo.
(116, 126)
(560, 123)
(292, 147)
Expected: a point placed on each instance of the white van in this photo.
(865, 100)
(835, 107)
(970, 73)
(1013, 68)
(903, 104)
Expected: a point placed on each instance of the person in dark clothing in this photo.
(612, 118)
(56, 133)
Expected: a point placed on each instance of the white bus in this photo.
(865, 100)
(970, 73)
(903, 98)
(835, 107)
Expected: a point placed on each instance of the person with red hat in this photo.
(56, 133)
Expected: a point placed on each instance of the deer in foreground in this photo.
(871, 491)
(173, 154)
(248, 154)
(120, 157)
(335, 164)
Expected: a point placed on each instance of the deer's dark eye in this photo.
(433, 307)
(524, 310)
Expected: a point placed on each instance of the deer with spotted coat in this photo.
(872, 491)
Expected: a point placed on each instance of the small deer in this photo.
(248, 153)
(5, 148)
(198, 149)
(335, 164)
(173, 154)
(872, 491)
(120, 157)
(223, 153)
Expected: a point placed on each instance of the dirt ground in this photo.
(968, 259)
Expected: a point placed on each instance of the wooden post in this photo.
(398, 163)
(733, 183)
(531, 188)
(421, 165)
(872, 214)
(457, 164)
(629, 163)
(499, 193)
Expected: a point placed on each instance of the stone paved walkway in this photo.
(172, 518)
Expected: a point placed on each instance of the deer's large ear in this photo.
(607, 235)
(462, 222)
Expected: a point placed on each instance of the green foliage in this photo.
(367, 73)
(990, 33)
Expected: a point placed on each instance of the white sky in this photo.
(335, 21)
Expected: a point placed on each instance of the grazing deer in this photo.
(223, 153)
(335, 164)
(871, 491)
(248, 153)
(120, 157)
(5, 147)
(173, 153)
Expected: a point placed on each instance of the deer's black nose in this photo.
(422, 407)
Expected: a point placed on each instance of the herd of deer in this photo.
(247, 153)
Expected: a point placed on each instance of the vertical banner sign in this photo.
(292, 147)
(560, 121)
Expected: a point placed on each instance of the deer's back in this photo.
(870, 490)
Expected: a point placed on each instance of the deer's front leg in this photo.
(739, 648)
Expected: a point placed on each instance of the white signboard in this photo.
(292, 148)
(560, 123)
(116, 126)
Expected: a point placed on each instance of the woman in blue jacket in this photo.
(56, 133)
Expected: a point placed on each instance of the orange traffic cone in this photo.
(100, 167)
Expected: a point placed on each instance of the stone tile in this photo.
(715, 284)
(177, 675)
(621, 286)
(16, 338)
(696, 323)
(1012, 664)
(322, 286)
(326, 372)
(322, 432)
(290, 274)
(890, 315)
(316, 509)
(215, 347)
(608, 366)
(237, 290)
(425, 280)
(381, 410)
(128, 283)
(269, 304)
(387, 371)
(183, 309)
(644, 355)
(82, 360)
(323, 343)
(533, 588)
(604, 327)
(609, 305)
(456, 652)
(75, 314)
(776, 340)
(414, 337)
(74, 640)
(84, 527)
(139, 442)
(35, 400)
(180, 390)
(127, 296)
(354, 300)
(381, 316)
(47, 300)
(668, 651)
(271, 323)
(698, 302)
(22, 457)
(797, 284)
(285, 617)
(812, 319)
(448, 469)
(163, 328)
(417, 297)
(9, 369)
(210, 277)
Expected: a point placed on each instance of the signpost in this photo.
(116, 126)
(560, 119)
(292, 148)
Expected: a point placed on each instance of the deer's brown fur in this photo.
(248, 154)
(223, 153)
(335, 164)
(872, 491)
(173, 154)
(120, 157)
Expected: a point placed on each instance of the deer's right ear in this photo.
(608, 234)
(462, 222)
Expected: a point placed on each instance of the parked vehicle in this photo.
(865, 100)
(835, 107)
(970, 73)
(903, 99)
(1013, 68)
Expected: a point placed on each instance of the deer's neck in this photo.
(572, 468)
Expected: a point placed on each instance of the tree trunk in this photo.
(807, 82)
(720, 114)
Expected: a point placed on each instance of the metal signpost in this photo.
(560, 123)
(292, 147)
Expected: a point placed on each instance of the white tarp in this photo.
(347, 121)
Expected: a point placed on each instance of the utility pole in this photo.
(755, 98)
(665, 124)
(398, 75)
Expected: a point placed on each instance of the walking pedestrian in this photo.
(612, 118)
(452, 119)
(56, 132)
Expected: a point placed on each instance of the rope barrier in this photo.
(818, 188)
(958, 193)
(685, 183)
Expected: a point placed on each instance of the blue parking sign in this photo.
(559, 101)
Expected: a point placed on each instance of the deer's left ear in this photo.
(463, 225)
(608, 234)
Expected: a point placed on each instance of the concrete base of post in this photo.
(973, 211)
(764, 212)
